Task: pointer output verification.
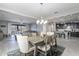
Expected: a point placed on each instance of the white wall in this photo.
(4, 29)
(39, 28)
(11, 28)
(24, 28)
(44, 28)
(51, 27)
(34, 27)
(8, 29)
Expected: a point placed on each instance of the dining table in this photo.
(35, 41)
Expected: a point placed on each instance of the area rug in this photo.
(55, 51)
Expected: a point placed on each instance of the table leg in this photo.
(35, 50)
(66, 35)
(55, 42)
(69, 35)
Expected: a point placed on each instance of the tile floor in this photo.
(6, 45)
(71, 46)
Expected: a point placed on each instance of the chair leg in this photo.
(25, 54)
(50, 50)
(45, 53)
(20, 53)
(56, 42)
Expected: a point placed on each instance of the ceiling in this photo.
(12, 17)
(30, 12)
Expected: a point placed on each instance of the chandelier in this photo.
(41, 21)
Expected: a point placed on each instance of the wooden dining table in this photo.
(35, 41)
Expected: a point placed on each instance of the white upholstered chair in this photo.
(42, 34)
(48, 40)
(23, 44)
(50, 33)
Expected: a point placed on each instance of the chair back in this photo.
(50, 33)
(42, 34)
(22, 43)
(50, 38)
(33, 34)
(47, 39)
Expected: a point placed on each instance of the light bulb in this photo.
(42, 21)
(45, 22)
(37, 21)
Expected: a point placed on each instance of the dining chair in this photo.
(48, 43)
(50, 33)
(33, 34)
(45, 48)
(42, 34)
(52, 37)
(24, 44)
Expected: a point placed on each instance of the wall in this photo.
(8, 29)
(51, 27)
(11, 28)
(44, 27)
(37, 27)
(33, 27)
(4, 29)
(24, 28)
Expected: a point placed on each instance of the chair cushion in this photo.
(43, 48)
(23, 44)
(31, 49)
